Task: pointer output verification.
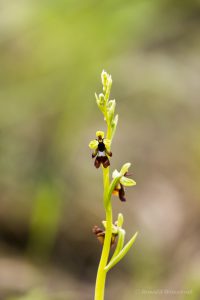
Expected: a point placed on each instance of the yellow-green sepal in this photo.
(127, 181)
(93, 144)
(125, 168)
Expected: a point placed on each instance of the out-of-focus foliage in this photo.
(51, 57)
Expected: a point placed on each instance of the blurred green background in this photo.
(51, 57)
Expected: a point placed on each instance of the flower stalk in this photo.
(101, 152)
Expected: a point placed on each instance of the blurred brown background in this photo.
(51, 57)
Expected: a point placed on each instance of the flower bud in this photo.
(101, 99)
(107, 83)
(114, 124)
(111, 109)
(120, 220)
(105, 78)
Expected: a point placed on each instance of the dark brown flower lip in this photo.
(100, 235)
(101, 159)
(104, 160)
(120, 192)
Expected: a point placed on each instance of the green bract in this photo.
(120, 220)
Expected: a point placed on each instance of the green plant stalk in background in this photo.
(102, 152)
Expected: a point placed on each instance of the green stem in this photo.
(101, 273)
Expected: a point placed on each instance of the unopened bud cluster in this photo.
(107, 106)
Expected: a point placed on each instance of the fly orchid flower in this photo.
(123, 181)
(100, 233)
(101, 150)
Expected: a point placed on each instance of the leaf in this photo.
(120, 242)
(121, 254)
